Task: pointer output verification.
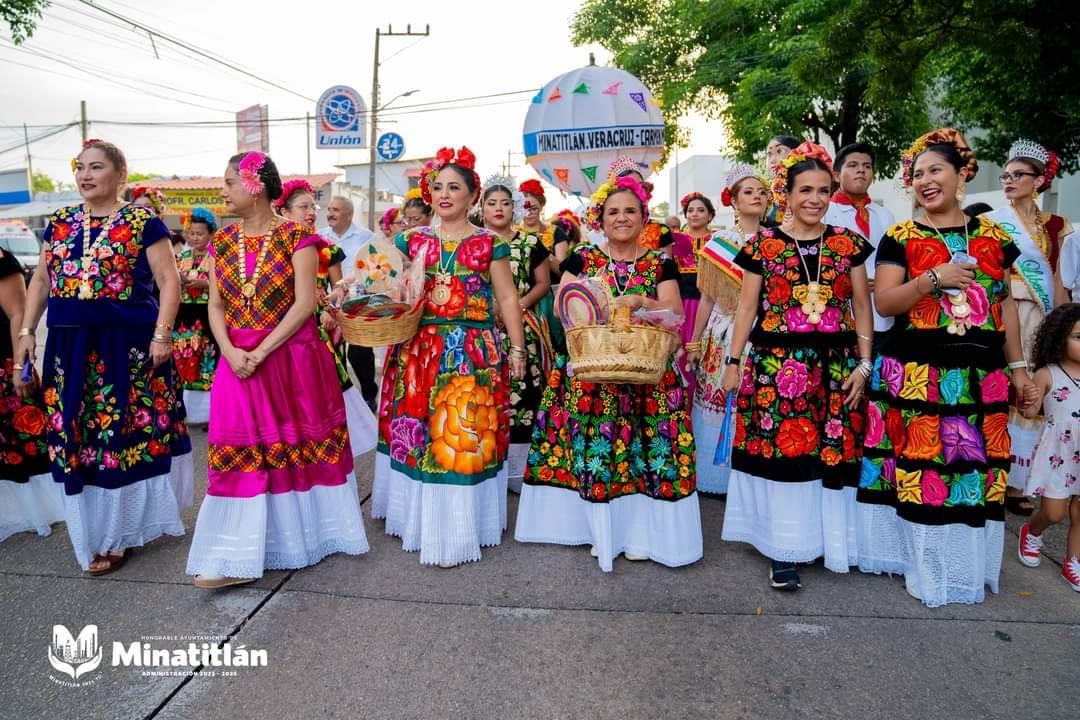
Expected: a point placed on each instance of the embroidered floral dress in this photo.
(595, 446)
(937, 441)
(117, 436)
(527, 254)
(686, 251)
(444, 424)
(281, 491)
(195, 352)
(796, 445)
(29, 499)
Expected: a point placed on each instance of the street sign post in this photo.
(390, 146)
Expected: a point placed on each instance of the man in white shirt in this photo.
(350, 238)
(851, 208)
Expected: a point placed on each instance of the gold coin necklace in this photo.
(249, 283)
(959, 317)
(813, 304)
(89, 249)
(440, 292)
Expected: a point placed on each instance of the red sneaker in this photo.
(1070, 573)
(1029, 549)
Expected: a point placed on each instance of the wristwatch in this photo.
(730, 360)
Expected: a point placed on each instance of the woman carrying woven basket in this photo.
(444, 426)
(612, 465)
(719, 279)
(798, 431)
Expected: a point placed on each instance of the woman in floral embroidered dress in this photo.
(117, 436)
(612, 465)
(529, 267)
(440, 478)
(932, 491)
(282, 494)
(29, 499)
(195, 351)
(798, 432)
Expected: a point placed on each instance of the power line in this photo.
(22, 144)
(193, 49)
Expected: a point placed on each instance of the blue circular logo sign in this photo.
(390, 146)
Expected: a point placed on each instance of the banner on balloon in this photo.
(625, 137)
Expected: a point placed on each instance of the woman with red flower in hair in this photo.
(719, 279)
(1035, 282)
(444, 427)
(117, 434)
(805, 309)
(932, 484)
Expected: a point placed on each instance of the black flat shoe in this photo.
(784, 576)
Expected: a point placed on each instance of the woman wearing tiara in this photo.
(501, 205)
(719, 279)
(195, 351)
(1035, 282)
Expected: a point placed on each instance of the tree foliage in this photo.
(846, 69)
(22, 17)
(43, 183)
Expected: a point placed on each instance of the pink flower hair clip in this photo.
(250, 165)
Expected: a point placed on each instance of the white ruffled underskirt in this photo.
(941, 564)
(516, 459)
(448, 524)
(197, 406)
(32, 505)
(665, 531)
(244, 537)
(104, 521)
(1024, 439)
(711, 478)
(792, 521)
(363, 427)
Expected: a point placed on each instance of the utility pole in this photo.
(307, 129)
(374, 112)
(29, 161)
(82, 111)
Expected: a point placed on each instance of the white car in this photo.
(20, 241)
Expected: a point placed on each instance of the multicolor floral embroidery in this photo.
(23, 450)
(185, 263)
(109, 270)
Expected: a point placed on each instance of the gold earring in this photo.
(961, 191)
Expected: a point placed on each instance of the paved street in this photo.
(539, 632)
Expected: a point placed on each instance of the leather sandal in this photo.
(112, 563)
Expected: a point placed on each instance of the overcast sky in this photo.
(475, 48)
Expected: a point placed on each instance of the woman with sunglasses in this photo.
(1035, 283)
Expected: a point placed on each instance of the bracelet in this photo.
(865, 367)
(863, 337)
(692, 346)
(162, 339)
(732, 360)
(25, 332)
(163, 326)
(17, 366)
(935, 281)
(1018, 364)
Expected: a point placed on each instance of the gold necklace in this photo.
(440, 291)
(959, 318)
(89, 250)
(250, 282)
(1038, 233)
(815, 296)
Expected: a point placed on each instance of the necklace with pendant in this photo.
(440, 291)
(249, 283)
(960, 307)
(813, 295)
(90, 249)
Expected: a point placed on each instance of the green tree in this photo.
(22, 17)
(43, 183)
(139, 177)
(843, 69)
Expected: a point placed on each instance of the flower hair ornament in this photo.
(250, 166)
(388, 218)
(517, 197)
(941, 136)
(567, 216)
(1024, 149)
(688, 198)
(533, 187)
(805, 151)
(85, 144)
(287, 190)
(446, 156)
(155, 196)
(595, 211)
(201, 214)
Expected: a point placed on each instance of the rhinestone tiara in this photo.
(1029, 149)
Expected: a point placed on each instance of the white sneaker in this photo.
(594, 552)
(635, 557)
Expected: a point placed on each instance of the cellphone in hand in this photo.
(27, 371)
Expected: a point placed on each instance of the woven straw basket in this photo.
(379, 331)
(620, 352)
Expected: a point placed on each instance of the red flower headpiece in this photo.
(290, 187)
(533, 187)
(446, 156)
(685, 202)
(156, 197)
(941, 136)
(388, 218)
(567, 216)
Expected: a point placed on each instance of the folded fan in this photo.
(580, 303)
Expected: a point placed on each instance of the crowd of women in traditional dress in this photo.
(867, 392)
